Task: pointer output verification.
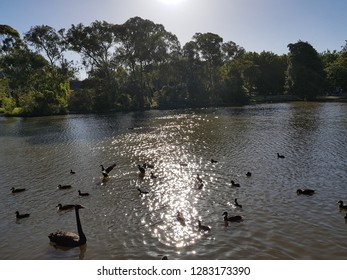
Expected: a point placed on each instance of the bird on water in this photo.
(237, 204)
(21, 216)
(82, 194)
(280, 156)
(65, 207)
(236, 218)
(64, 187)
(14, 190)
(106, 171)
(233, 184)
(70, 239)
(342, 205)
(305, 191)
(203, 227)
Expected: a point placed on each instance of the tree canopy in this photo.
(139, 65)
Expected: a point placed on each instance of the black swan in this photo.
(305, 191)
(227, 218)
(18, 190)
(341, 205)
(280, 156)
(248, 174)
(70, 239)
(65, 207)
(21, 216)
(64, 187)
(153, 176)
(202, 227)
(72, 172)
(107, 170)
(237, 204)
(82, 194)
(233, 184)
(213, 161)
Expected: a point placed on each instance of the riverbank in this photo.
(253, 100)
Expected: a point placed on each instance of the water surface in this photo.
(38, 153)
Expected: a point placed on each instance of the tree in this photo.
(305, 74)
(9, 39)
(209, 47)
(145, 47)
(97, 44)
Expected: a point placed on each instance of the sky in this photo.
(256, 25)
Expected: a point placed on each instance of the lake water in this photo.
(38, 153)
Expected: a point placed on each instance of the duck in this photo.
(82, 194)
(280, 156)
(233, 184)
(64, 187)
(202, 227)
(180, 218)
(305, 191)
(248, 174)
(14, 190)
(342, 205)
(21, 216)
(70, 239)
(65, 207)
(236, 218)
(142, 169)
(72, 172)
(106, 171)
(142, 191)
(214, 161)
(346, 217)
(237, 204)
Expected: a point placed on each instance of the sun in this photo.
(171, 2)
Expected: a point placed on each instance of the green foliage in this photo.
(305, 74)
(139, 65)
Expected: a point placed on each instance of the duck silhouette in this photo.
(65, 207)
(305, 191)
(142, 191)
(203, 227)
(342, 205)
(106, 171)
(233, 184)
(82, 194)
(14, 190)
(180, 218)
(236, 218)
(21, 216)
(64, 187)
(237, 204)
(70, 239)
(280, 156)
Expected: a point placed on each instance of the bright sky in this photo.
(256, 25)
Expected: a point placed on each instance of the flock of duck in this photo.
(70, 239)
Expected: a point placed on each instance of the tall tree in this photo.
(305, 74)
(9, 39)
(145, 46)
(97, 44)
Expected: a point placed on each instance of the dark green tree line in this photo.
(139, 65)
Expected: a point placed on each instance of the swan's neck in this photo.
(79, 226)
